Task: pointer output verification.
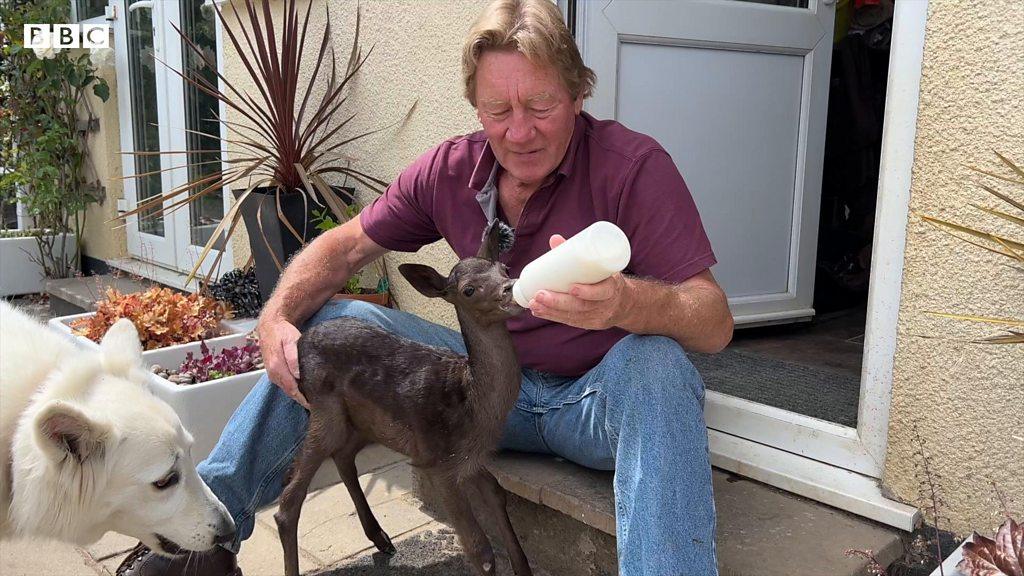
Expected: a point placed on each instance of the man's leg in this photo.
(641, 411)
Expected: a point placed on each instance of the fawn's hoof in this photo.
(383, 543)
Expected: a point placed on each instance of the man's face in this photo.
(526, 112)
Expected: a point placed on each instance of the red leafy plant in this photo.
(1002, 556)
(162, 316)
(209, 366)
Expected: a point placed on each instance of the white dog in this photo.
(87, 449)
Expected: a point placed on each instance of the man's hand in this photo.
(280, 355)
(589, 306)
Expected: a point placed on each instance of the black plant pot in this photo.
(270, 240)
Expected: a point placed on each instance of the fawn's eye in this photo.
(167, 481)
(468, 291)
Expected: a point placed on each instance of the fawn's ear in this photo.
(490, 242)
(424, 279)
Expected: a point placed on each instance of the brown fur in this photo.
(443, 410)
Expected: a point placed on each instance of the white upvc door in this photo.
(737, 92)
(160, 112)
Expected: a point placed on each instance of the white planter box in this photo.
(21, 273)
(203, 408)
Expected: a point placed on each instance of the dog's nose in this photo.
(224, 537)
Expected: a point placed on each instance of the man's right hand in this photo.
(278, 339)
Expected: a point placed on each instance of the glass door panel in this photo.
(142, 70)
(201, 110)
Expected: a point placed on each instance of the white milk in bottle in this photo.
(597, 252)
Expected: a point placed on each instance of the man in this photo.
(606, 381)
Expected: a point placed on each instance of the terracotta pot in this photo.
(380, 298)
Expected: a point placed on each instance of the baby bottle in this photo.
(591, 256)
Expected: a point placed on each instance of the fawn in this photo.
(443, 410)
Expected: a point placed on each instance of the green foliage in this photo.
(44, 130)
(324, 221)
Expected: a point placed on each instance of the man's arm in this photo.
(307, 283)
(694, 312)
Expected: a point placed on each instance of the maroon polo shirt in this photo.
(609, 173)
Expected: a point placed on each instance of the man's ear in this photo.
(424, 279)
(63, 430)
(121, 349)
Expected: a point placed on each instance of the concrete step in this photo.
(77, 295)
(565, 518)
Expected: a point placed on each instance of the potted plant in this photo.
(288, 138)
(355, 289)
(222, 372)
(45, 125)
(23, 271)
(165, 319)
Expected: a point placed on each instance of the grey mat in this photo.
(818, 392)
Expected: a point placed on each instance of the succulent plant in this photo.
(239, 288)
(209, 366)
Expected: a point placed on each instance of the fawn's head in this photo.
(477, 285)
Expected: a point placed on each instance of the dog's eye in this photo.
(468, 291)
(166, 482)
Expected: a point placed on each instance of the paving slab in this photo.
(261, 555)
(343, 537)
(44, 558)
(112, 544)
(432, 550)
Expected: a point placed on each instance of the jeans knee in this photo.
(347, 308)
(660, 367)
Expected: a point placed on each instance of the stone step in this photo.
(565, 518)
(76, 295)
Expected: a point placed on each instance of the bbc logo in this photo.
(67, 35)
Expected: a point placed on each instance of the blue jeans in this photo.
(639, 412)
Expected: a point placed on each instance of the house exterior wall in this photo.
(102, 239)
(965, 399)
(416, 58)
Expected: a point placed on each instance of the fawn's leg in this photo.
(474, 541)
(345, 460)
(494, 497)
(315, 449)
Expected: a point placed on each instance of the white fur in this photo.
(85, 441)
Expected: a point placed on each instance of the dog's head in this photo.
(115, 457)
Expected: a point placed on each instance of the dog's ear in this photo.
(121, 349)
(63, 430)
(424, 279)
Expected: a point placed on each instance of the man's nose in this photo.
(520, 128)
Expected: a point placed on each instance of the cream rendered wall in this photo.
(966, 399)
(101, 239)
(416, 57)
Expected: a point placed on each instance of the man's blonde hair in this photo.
(534, 28)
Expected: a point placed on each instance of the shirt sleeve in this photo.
(658, 214)
(402, 218)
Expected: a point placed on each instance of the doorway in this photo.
(169, 128)
(737, 92)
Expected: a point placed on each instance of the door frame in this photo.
(175, 250)
(796, 461)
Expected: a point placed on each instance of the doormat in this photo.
(816, 392)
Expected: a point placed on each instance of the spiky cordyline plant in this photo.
(1008, 247)
(288, 144)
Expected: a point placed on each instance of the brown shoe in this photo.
(142, 561)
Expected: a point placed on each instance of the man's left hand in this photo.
(589, 306)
